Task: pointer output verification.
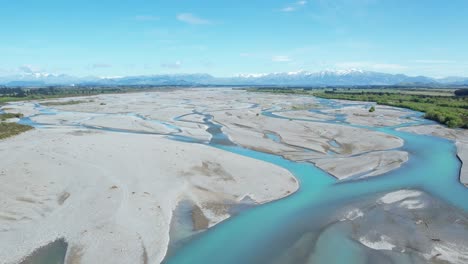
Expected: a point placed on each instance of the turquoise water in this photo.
(273, 137)
(263, 234)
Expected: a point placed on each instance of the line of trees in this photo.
(461, 92)
(48, 91)
(448, 110)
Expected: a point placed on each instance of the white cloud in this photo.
(288, 9)
(280, 58)
(29, 69)
(146, 18)
(373, 66)
(172, 65)
(192, 19)
(293, 7)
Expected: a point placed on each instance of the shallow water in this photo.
(265, 233)
(273, 137)
(53, 253)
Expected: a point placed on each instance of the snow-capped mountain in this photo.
(298, 78)
(323, 78)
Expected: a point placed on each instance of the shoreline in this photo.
(260, 149)
(261, 196)
(460, 172)
(94, 167)
(459, 137)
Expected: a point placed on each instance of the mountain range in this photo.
(300, 78)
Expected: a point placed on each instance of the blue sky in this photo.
(224, 38)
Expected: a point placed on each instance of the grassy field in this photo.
(6, 99)
(440, 105)
(6, 116)
(71, 102)
(25, 94)
(410, 91)
(8, 129)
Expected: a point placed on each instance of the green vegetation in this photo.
(11, 129)
(71, 102)
(10, 94)
(8, 129)
(450, 91)
(21, 94)
(6, 116)
(439, 105)
(303, 106)
(372, 109)
(461, 92)
(450, 111)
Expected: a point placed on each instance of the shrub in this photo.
(461, 92)
(6, 116)
(11, 129)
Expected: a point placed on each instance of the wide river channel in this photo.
(264, 233)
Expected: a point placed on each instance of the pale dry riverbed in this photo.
(122, 178)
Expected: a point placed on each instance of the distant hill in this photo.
(324, 78)
(300, 78)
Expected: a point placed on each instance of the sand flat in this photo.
(83, 184)
(79, 182)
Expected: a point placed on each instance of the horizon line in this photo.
(245, 75)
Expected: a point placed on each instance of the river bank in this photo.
(115, 179)
(106, 174)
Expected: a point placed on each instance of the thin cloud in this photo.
(373, 66)
(146, 18)
(100, 65)
(28, 69)
(208, 64)
(192, 19)
(288, 9)
(280, 58)
(434, 61)
(388, 67)
(174, 65)
(293, 7)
